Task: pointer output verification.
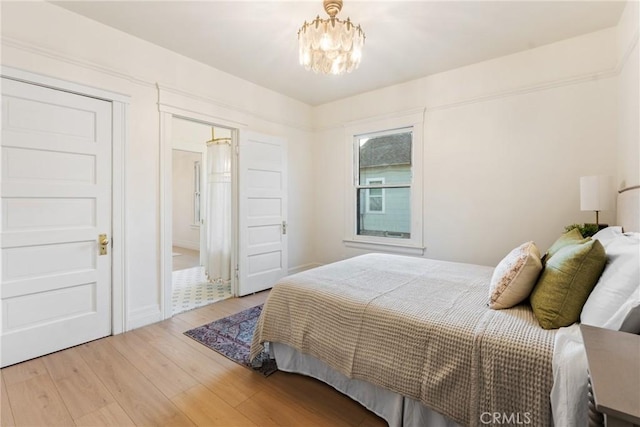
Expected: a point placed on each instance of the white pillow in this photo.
(614, 303)
(608, 235)
(630, 315)
(515, 276)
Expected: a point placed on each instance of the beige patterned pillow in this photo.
(515, 276)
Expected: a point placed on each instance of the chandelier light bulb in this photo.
(330, 46)
(325, 42)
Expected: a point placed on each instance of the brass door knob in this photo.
(103, 240)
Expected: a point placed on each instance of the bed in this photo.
(414, 341)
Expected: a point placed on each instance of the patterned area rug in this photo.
(231, 337)
(192, 289)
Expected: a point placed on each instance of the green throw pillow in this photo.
(571, 237)
(568, 278)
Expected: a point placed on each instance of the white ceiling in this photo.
(257, 40)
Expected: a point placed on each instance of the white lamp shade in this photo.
(596, 193)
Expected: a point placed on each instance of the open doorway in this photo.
(201, 214)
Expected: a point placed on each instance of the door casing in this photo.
(166, 197)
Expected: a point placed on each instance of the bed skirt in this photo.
(395, 409)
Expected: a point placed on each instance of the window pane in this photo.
(196, 176)
(393, 215)
(196, 208)
(375, 204)
(196, 192)
(387, 157)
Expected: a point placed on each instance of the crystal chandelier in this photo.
(330, 46)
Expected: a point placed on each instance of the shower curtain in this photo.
(218, 214)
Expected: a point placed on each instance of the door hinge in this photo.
(284, 227)
(237, 272)
(237, 150)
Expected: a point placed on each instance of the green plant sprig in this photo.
(587, 230)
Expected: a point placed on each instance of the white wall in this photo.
(505, 143)
(43, 38)
(188, 140)
(186, 233)
(628, 97)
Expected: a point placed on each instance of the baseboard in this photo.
(301, 268)
(186, 244)
(143, 316)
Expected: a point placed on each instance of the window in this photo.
(196, 193)
(384, 183)
(385, 198)
(375, 196)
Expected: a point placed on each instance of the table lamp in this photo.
(596, 194)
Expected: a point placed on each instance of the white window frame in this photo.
(368, 210)
(413, 119)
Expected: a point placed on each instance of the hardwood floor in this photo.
(157, 376)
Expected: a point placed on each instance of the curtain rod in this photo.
(219, 141)
(215, 140)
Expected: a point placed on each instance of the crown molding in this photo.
(241, 113)
(523, 90)
(141, 81)
(112, 71)
(69, 59)
(622, 61)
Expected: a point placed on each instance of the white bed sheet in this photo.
(568, 395)
(569, 400)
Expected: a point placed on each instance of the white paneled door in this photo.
(262, 181)
(56, 202)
